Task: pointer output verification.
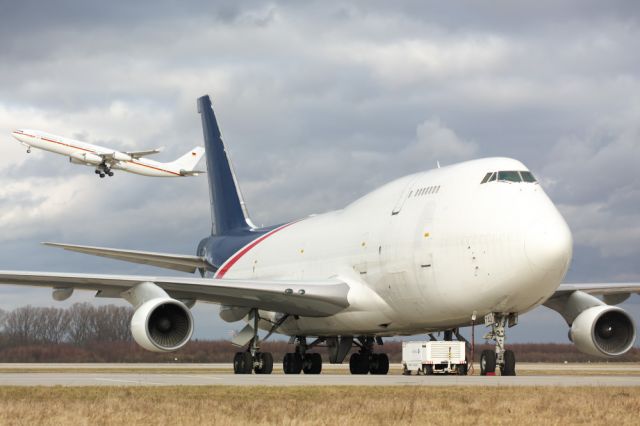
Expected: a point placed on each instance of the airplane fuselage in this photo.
(90, 155)
(422, 253)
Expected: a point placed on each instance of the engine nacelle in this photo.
(121, 156)
(85, 158)
(162, 325)
(605, 331)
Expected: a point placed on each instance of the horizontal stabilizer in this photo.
(140, 154)
(192, 172)
(178, 262)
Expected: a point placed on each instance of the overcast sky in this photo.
(319, 103)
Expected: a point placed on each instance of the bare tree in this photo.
(112, 323)
(20, 324)
(81, 323)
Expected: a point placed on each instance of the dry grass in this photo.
(316, 405)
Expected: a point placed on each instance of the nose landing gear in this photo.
(504, 359)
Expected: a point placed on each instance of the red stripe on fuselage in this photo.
(228, 264)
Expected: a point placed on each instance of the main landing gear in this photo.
(365, 360)
(504, 359)
(103, 170)
(252, 360)
(301, 360)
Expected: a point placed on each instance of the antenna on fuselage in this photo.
(438, 163)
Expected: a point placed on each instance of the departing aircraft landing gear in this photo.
(504, 359)
(103, 170)
(366, 361)
(252, 360)
(301, 360)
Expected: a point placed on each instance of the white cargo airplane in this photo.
(105, 159)
(478, 241)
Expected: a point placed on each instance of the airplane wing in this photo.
(140, 154)
(612, 293)
(304, 298)
(599, 289)
(178, 262)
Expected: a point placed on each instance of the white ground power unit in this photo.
(446, 357)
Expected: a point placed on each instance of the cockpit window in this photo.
(509, 176)
(527, 177)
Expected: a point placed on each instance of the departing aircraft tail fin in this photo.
(227, 213)
(190, 160)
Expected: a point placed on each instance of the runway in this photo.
(219, 375)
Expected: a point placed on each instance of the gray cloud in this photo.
(319, 103)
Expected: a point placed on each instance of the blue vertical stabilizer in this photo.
(226, 212)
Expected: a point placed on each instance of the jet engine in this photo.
(603, 331)
(85, 158)
(162, 325)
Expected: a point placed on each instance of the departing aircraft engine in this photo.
(603, 331)
(162, 325)
(85, 158)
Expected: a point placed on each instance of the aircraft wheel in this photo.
(265, 359)
(359, 363)
(292, 363)
(487, 362)
(110, 173)
(101, 175)
(96, 171)
(379, 364)
(509, 367)
(312, 363)
(242, 363)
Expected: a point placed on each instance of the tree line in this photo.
(78, 325)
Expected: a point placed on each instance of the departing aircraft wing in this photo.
(140, 154)
(178, 262)
(305, 298)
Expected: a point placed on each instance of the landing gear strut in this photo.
(504, 359)
(301, 360)
(366, 361)
(252, 359)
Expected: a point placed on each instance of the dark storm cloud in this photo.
(319, 102)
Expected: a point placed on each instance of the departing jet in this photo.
(477, 242)
(105, 159)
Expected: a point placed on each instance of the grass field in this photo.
(316, 405)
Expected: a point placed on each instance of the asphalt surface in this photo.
(153, 375)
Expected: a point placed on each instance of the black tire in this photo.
(110, 173)
(359, 363)
(312, 363)
(292, 363)
(487, 362)
(242, 363)
(509, 367)
(266, 361)
(427, 369)
(379, 364)
(462, 369)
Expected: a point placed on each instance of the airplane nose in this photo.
(548, 243)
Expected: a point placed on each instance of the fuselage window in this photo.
(509, 176)
(527, 177)
(486, 178)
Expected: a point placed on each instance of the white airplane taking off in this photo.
(474, 242)
(105, 159)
